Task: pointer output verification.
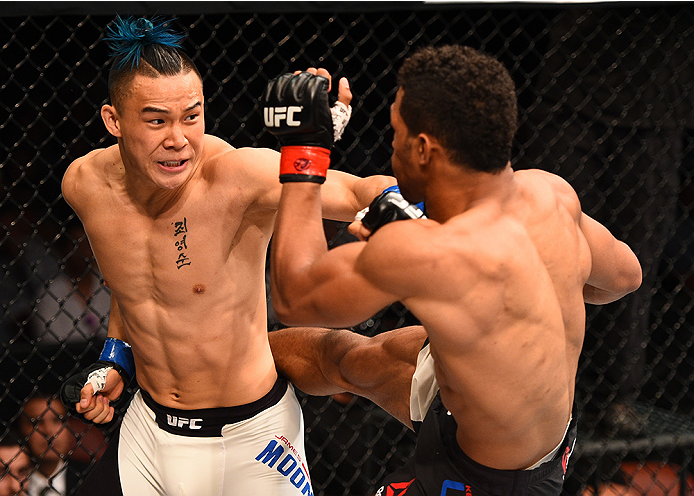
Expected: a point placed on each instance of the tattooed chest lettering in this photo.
(180, 236)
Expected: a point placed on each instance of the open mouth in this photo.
(172, 164)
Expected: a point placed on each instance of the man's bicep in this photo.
(330, 361)
(329, 292)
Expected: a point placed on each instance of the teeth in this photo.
(172, 163)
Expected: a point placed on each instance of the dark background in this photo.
(54, 67)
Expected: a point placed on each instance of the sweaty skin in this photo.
(498, 275)
(179, 223)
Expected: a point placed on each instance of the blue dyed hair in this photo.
(127, 39)
(143, 46)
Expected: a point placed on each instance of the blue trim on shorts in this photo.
(208, 422)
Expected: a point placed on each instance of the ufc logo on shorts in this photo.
(182, 422)
(275, 115)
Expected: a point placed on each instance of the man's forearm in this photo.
(368, 188)
(298, 241)
(344, 194)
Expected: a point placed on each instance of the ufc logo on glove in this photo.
(305, 140)
(274, 116)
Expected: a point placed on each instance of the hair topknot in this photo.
(128, 37)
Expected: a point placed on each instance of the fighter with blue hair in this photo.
(179, 222)
(128, 40)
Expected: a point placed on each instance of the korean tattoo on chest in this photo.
(180, 235)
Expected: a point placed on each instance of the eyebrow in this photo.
(155, 110)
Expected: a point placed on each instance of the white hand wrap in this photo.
(341, 114)
(360, 215)
(98, 379)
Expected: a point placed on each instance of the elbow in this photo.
(633, 281)
(630, 275)
(287, 310)
(282, 308)
(283, 296)
(628, 283)
(633, 276)
(607, 291)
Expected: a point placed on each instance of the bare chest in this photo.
(169, 257)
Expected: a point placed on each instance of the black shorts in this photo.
(440, 468)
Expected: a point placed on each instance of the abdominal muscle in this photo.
(201, 355)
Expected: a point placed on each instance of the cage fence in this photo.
(606, 101)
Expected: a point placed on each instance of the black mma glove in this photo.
(390, 206)
(71, 390)
(296, 111)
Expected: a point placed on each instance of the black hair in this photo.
(465, 99)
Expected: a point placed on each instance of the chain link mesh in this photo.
(606, 101)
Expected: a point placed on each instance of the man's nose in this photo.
(176, 138)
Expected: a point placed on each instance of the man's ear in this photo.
(423, 148)
(428, 150)
(111, 119)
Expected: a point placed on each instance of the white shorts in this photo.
(254, 449)
(424, 386)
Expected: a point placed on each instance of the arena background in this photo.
(54, 66)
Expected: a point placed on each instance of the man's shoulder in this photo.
(86, 169)
(216, 149)
(256, 169)
(95, 160)
(403, 243)
(548, 187)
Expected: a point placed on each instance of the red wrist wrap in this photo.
(304, 164)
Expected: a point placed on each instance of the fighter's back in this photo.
(499, 290)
